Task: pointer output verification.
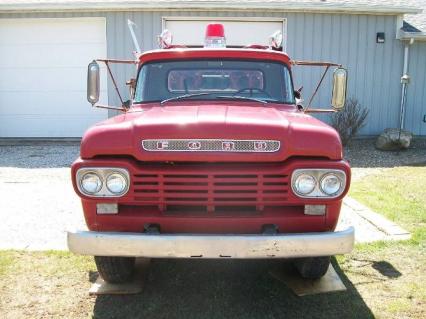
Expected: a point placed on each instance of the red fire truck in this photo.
(212, 157)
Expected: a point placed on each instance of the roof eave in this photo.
(417, 36)
(202, 5)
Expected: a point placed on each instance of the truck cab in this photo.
(213, 157)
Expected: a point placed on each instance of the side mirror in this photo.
(93, 82)
(339, 88)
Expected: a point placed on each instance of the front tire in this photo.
(115, 270)
(312, 267)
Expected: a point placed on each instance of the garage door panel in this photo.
(48, 126)
(48, 31)
(49, 55)
(33, 103)
(45, 80)
(43, 72)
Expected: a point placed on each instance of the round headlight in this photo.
(116, 183)
(91, 183)
(330, 184)
(304, 184)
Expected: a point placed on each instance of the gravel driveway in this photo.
(39, 205)
(365, 159)
(38, 202)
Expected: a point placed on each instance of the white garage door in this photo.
(43, 65)
(238, 32)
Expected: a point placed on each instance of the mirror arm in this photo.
(102, 106)
(321, 111)
(314, 63)
(113, 81)
(118, 61)
(317, 88)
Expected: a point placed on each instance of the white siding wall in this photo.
(374, 69)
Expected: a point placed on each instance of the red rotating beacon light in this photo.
(215, 36)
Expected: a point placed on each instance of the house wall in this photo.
(374, 69)
(415, 119)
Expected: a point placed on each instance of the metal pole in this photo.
(404, 80)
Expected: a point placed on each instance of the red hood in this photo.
(299, 134)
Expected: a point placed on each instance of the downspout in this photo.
(405, 79)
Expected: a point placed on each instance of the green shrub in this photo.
(350, 120)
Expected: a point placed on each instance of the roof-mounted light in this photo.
(276, 39)
(165, 39)
(215, 36)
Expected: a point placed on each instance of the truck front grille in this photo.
(211, 187)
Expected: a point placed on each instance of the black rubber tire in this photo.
(312, 267)
(115, 270)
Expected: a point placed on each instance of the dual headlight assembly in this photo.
(103, 181)
(305, 183)
(318, 183)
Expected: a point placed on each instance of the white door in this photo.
(238, 31)
(43, 65)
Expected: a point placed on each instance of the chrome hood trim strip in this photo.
(211, 145)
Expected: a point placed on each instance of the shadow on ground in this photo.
(226, 289)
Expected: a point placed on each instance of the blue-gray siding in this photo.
(416, 96)
(374, 69)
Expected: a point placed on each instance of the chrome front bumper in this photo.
(211, 246)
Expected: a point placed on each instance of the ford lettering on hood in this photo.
(210, 145)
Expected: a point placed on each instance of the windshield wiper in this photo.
(231, 97)
(238, 97)
(185, 96)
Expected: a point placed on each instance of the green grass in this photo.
(44, 284)
(400, 195)
(6, 262)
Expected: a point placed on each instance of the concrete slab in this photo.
(100, 287)
(388, 229)
(364, 231)
(330, 282)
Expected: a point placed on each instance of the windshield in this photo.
(214, 79)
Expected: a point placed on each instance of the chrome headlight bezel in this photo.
(122, 178)
(82, 179)
(318, 174)
(297, 182)
(322, 180)
(103, 173)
